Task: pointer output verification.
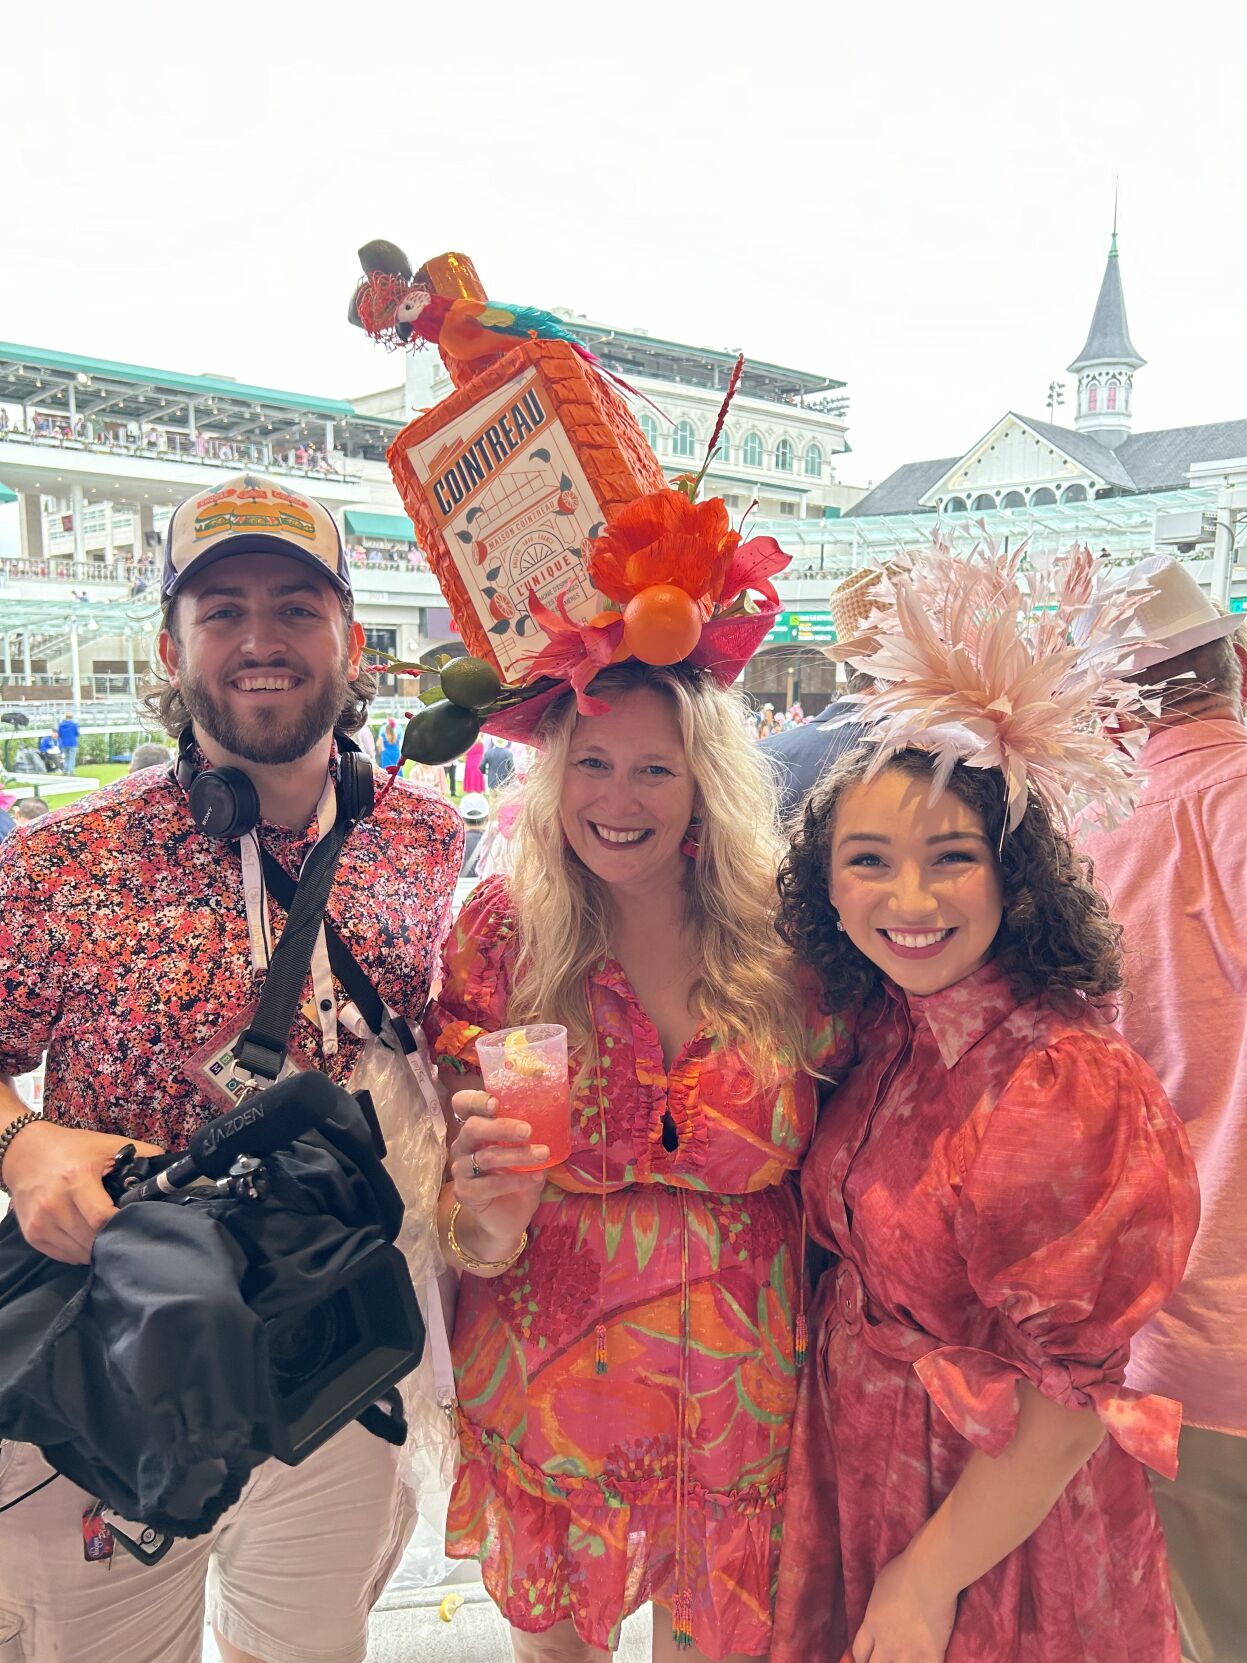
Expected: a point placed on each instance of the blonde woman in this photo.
(627, 1376)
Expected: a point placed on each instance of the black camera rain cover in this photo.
(146, 1379)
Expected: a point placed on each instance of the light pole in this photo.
(1056, 398)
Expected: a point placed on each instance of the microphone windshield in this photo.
(270, 1120)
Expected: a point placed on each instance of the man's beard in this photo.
(269, 737)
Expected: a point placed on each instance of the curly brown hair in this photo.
(1055, 936)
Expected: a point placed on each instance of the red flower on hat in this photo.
(662, 537)
(575, 652)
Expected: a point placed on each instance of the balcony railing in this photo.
(216, 453)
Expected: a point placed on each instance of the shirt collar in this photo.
(960, 1015)
(1199, 734)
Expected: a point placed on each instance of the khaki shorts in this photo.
(1205, 1518)
(296, 1566)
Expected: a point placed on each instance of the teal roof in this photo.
(206, 386)
(6, 495)
(395, 528)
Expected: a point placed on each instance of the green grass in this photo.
(104, 773)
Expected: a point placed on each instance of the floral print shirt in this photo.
(124, 948)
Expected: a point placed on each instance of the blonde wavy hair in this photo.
(746, 991)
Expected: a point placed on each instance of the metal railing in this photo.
(216, 454)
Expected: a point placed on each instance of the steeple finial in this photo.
(1113, 245)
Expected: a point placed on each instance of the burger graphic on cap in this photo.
(256, 511)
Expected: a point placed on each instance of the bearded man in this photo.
(134, 935)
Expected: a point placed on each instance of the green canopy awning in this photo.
(393, 528)
(6, 495)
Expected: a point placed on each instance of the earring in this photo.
(691, 845)
(839, 926)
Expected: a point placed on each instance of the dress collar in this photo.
(960, 1015)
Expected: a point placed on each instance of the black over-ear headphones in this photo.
(224, 802)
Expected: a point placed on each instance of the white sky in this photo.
(914, 198)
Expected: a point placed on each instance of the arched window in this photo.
(1043, 497)
(683, 440)
(1093, 397)
(650, 429)
(1110, 402)
(751, 455)
(1013, 499)
(814, 461)
(723, 450)
(784, 455)
(955, 505)
(982, 501)
(1074, 493)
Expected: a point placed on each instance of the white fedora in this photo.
(1176, 616)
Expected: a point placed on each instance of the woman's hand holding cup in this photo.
(499, 1202)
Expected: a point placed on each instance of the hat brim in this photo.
(726, 646)
(251, 542)
(1182, 641)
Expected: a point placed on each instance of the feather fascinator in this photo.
(1000, 661)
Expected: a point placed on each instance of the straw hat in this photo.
(852, 602)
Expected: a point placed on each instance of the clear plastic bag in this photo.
(410, 1115)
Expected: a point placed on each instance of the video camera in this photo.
(246, 1301)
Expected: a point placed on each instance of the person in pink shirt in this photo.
(1174, 876)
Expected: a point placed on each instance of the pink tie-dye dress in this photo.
(1010, 1197)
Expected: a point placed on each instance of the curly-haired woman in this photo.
(1009, 1196)
(627, 1382)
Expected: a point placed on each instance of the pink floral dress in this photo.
(1010, 1196)
(585, 1494)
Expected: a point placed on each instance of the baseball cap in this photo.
(251, 515)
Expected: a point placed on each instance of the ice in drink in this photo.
(526, 1070)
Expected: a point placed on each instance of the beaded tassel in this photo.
(801, 1337)
(682, 1619)
(599, 1337)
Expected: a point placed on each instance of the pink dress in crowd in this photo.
(1010, 1197)
(473, 778)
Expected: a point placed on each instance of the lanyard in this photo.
(258, 922)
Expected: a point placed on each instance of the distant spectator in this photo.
(803, 753)
(474, 809)
(473, 778)
(67, 739)
(30, 808)
(363, 738)
(7, 822)
(50, 751)
(149, 755)
(498, 764)
(389, 743)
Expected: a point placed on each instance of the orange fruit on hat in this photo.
(662, 624)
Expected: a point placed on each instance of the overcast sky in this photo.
(913, 198)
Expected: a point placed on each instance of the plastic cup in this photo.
(526, 1070)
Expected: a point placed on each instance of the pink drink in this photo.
(547, 1107)
(526, 1070)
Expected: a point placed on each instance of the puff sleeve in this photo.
(475, 981)
(1077, 1208)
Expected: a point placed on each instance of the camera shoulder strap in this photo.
(262, 1048)
(354, 979)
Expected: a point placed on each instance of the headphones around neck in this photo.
(224, 802)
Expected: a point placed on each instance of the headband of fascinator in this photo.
(1010, 662)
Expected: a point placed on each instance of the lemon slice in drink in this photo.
(520, 1057)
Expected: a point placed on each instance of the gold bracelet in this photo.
(478, 1264)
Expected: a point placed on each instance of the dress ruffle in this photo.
(532, 1563)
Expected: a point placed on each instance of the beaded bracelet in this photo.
(478, 1264)
(9, 1133)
